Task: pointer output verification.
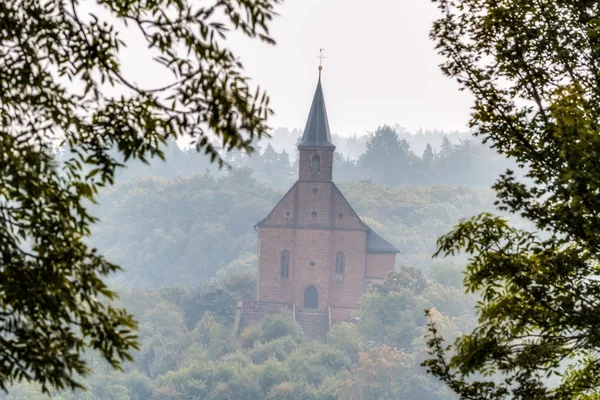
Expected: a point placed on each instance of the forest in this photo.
(186, 241)
(389, 156)
(168, 223)
(131, 185)
(187, 229)
(188, 352)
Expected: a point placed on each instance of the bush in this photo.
(279, 348)
(250, 335)
(281, 325)
(273, 372)
(345, 337)
(283, 391)
(239, 358)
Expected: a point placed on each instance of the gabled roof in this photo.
(377, 244)
(316, 132)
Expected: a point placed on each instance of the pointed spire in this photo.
(316, 132)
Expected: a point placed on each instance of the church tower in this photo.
(315, 148)
(316, 257)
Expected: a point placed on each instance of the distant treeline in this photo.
(389, 156)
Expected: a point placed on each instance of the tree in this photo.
(56, 65)
(447, 148)
(533, 70)
(428, 156)
(407, 278)
(382, 373)
(449, 273)
(387, 157)
(389, 315)
(269, 161)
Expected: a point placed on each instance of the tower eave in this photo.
(314, 146)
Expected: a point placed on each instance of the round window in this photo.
(314, 213)
(312, 263)
(315, 190)
(340, 215)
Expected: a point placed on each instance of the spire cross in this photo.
(321, 57)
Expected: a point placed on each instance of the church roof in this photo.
(316, 132)
(377, 244)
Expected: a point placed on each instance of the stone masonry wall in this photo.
(325, 174)
(314, 324)
(312, 264)
(348, 291)
(343, 216)
(271, 285)
(249, 312)
(284, 213)
(341, 314)
(379, 265)
(314, 204)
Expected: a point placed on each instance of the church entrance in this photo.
(311, 297)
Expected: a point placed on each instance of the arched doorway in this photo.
(311, 297)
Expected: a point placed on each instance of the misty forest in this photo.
(183, 231)
(146, 227)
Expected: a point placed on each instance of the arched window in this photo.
(315, 165)
(285, 264)
(339, 265)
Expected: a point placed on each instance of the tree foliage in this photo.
(532, 67)
(271, 359)
(59, 70)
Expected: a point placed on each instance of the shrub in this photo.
(250, 335)
(280, 325)
(279, 348)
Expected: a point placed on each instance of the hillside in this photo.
(187, 351)
(185, 230)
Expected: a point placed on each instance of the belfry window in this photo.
(285, 264)
(315, 164)
(339, 265)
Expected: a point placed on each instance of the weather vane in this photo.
(321, 57)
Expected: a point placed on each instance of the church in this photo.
(316, 257)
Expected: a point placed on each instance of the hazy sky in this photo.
(380, 66)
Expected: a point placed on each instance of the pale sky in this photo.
(380, 66)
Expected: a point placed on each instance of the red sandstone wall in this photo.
(340, 314)
(309, 202)
(271, 286)
(319, 246)
(312, 245)
(326, 165)
(347, 293)
(279, 216)
(379, 265)
(343, 215)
